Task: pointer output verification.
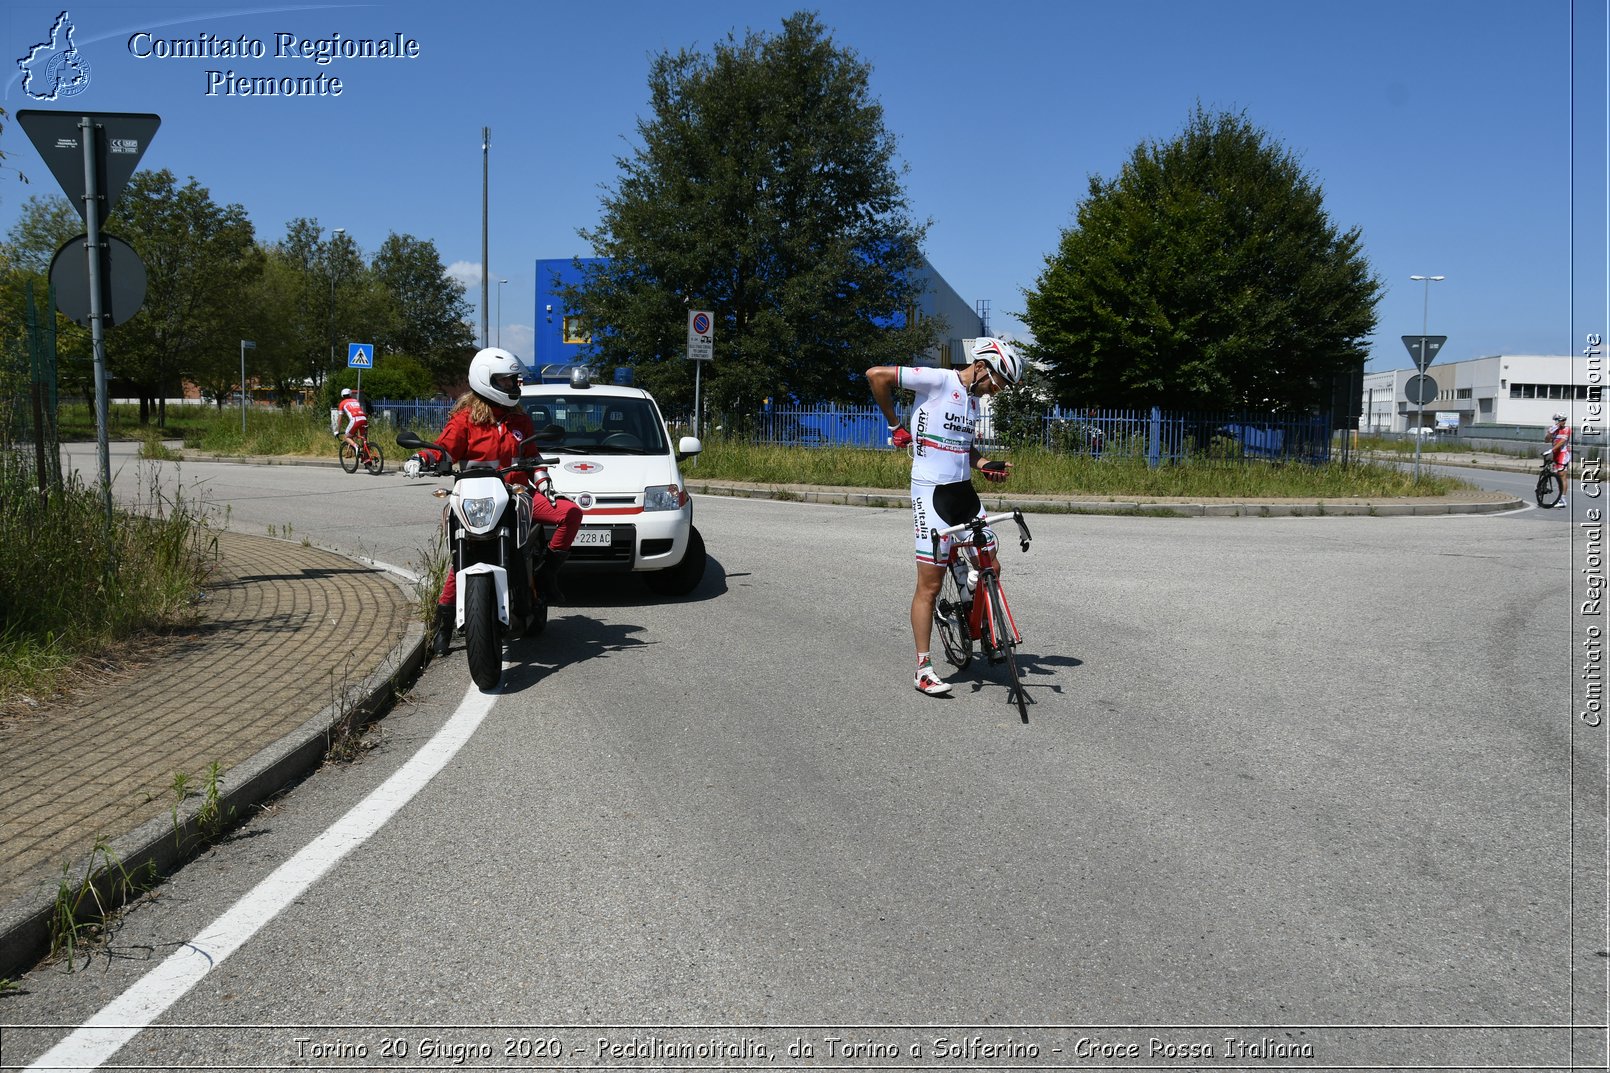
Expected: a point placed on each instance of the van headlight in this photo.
(664, 497)
(478, 513)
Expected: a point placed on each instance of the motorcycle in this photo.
(494, 553)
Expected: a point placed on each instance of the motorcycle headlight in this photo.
(478, 513)
(664, 497)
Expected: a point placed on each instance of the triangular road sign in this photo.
(121, 139)
(1423, 348)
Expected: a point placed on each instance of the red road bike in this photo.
(972, 607)
(366, 454)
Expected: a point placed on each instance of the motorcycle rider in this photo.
(488, 424)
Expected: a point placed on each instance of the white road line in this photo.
(124, 1017)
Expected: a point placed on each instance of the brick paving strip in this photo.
(290, 637)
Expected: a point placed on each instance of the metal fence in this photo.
(409, 413)
(1154, 435)
(1167, 436)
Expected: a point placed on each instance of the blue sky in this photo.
(1467, 138)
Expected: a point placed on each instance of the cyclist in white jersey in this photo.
(944, 420)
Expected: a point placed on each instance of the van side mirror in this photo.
(687, 447)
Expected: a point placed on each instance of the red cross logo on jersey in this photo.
(955, 396)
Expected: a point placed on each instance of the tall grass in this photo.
(1036, 471)
(72, 587)
(297, 432)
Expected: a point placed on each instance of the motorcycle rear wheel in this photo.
(482, 645)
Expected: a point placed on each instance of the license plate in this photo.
(595, 538)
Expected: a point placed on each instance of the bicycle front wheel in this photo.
(1548, 490)
(349, 457)
(1001, 640)
(376, 463)
(950, 620)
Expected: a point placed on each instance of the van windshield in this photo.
(596, 424)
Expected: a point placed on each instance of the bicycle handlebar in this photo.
(977, 525)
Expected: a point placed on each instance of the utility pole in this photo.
(486, 145)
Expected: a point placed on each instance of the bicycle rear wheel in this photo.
(349, 457)
(950, 620)
(999, 628)
(376, 463)
(1548, 490)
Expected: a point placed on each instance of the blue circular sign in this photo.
(701, 324)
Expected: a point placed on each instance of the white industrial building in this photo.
(1500, 390)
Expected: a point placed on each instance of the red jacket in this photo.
(498, 443)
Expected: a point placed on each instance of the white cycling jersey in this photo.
(943, 423)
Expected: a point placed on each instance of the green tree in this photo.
(45, 224)
(199, 259)
(1206, 274)
(395, 376)
(341, 300)
(1017, 413)
(3, 165)
(429, 316)
(765, 190)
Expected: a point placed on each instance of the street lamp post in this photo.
(501, 282)
(333, 232)
(1420, 407)
(245, 345)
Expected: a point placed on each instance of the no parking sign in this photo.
(701, 335)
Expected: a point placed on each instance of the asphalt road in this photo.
(1287, 783)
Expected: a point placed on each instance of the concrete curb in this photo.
(162, 844)
(1138, 506)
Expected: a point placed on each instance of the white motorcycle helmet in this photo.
(1000, 357)
(495, 376)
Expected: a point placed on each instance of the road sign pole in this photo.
(97, 327)
(697, 368)
(1419, 423)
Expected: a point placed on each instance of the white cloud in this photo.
(519, 340)
(467, 273)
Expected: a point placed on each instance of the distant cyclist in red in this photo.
(1559, 440)
(357, 420)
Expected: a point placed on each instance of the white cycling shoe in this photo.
(929, 682)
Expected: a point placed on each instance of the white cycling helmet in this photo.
(1000, 357)
(346, 393)
(1559, 417)
(495, 376)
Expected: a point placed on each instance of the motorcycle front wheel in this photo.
(482, 645)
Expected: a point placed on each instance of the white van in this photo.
(618, 466)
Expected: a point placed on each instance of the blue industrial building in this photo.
(559, 342)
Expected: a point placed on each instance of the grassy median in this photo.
(1036, 471)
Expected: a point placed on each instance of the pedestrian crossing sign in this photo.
(360, 355)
